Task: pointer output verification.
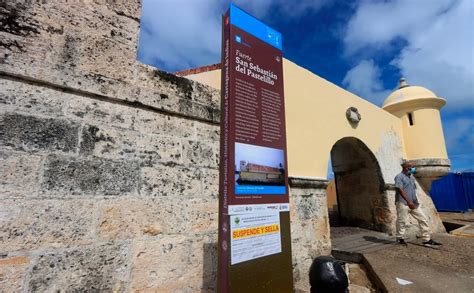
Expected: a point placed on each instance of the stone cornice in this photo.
(307, 182)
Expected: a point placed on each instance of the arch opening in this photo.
(359, 187)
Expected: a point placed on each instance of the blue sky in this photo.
(364, 46)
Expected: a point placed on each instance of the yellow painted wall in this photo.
(315, 119)
(315, 114)
(210, 78)
(425, 138)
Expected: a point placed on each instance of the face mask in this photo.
(412, 170)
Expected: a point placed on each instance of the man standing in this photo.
(407, 203)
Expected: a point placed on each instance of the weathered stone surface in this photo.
(311, 236)
(200, 154)
(171, 180)
(309, 231)
(19, 174)
(206, 131)
(390, 153)
(307, 182)
(28, 98)
(152, 122)
(159, 148)
(102, 268)
(108, 142)
(12, 272)
(135, 217)
(35, 224)
(210, 183)
(129, 218)
(89, 109)
(31, 133)
(173, 263)
(116, 143)
(94, 51)
(63, 176)
(203, 215)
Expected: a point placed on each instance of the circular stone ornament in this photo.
(353, 115)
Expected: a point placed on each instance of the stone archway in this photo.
(359, 185)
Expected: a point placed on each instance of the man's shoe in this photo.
(431, 242)
(401, 242)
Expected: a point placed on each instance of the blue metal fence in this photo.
(454, 192)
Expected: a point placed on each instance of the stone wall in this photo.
(108, 168)
(309, 226)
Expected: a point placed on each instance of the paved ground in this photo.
(447, 269)
(348, 243)
(459, 224)
(459, 218)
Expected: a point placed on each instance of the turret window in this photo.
(410, 119)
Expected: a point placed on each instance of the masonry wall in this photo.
(108, 168)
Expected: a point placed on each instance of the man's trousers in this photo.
(402, 217)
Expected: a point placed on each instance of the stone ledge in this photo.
(307, 182)
(431, 162)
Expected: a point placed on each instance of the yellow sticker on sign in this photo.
(254, 235)
(249, 232)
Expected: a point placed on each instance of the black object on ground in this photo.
(327, 274)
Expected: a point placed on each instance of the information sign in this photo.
(254, 226)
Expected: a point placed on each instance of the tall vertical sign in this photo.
(254, 221)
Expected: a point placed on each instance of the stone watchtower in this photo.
(419, 111)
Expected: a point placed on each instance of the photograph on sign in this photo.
(254, 236)
(259, 170)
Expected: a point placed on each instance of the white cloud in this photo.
(439, 39)
(364, 79)
(460, 131)
(182, 34)
(459, 134)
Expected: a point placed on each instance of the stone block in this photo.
(171, 180)
(202, 95)
(19, 174)
(35, 224)
(108, 142)
(101, 268)
(173, 263)
(210, 183)
(79, 107)
(203, 215)
(12, 273)
(116, 143)
(29, 98)
(159, 148)
(136, 217)
(30, 133)
(197, 153)
(193, 109)
(73, 176)
(310, 207)
(207, 132)
(152, 122)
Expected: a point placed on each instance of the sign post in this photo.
(254, 245)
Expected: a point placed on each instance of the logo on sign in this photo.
(238, 39)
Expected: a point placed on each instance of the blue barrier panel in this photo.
(468, 186)
(448, 193)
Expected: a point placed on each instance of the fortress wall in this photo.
(109, 168)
